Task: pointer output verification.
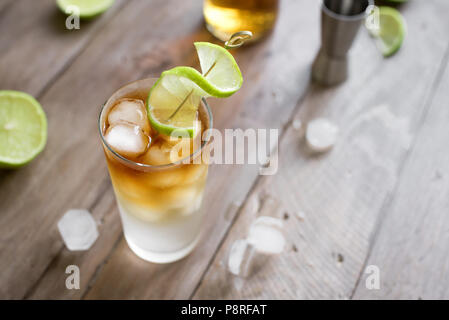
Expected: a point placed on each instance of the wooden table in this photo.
(380, 197)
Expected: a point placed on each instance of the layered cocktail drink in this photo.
(155, 135)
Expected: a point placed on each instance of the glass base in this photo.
(157, 257)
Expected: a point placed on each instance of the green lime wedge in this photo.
(391, 32)
(23, 129)
(87, 8)
(174, 99)
(219, 69)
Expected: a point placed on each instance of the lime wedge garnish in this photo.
(391, 31)
(174, 99)
(87, 8)
(23, 128)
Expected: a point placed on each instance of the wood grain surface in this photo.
(378, 198)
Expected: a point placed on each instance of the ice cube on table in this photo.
(131, 111)
(266, 235)
(164, 178)
(126, 139)
(178, 134)
(301, 215)
(78, 229)
(321, 134)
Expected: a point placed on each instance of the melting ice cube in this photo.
(321, 134)
(78, 229)
(131, 111)
(128, 140)
(266, 235)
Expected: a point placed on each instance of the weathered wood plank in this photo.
(4, 5)
(412, 243)
(276, 76)
(71, 171)
(342, 194)
(35, 197)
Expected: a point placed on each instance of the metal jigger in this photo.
(340, 22)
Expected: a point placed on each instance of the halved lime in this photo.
(87, 8)
(174, 99)
(23, 129)
(391, 32)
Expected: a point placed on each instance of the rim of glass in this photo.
(162, 166)
(346, 17)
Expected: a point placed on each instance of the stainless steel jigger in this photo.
(340, 22)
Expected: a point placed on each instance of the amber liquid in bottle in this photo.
(225, 17)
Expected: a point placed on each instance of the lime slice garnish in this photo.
(23, 129)
(391, 32)
(174, 99)
(87, 8)
(219, 69)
